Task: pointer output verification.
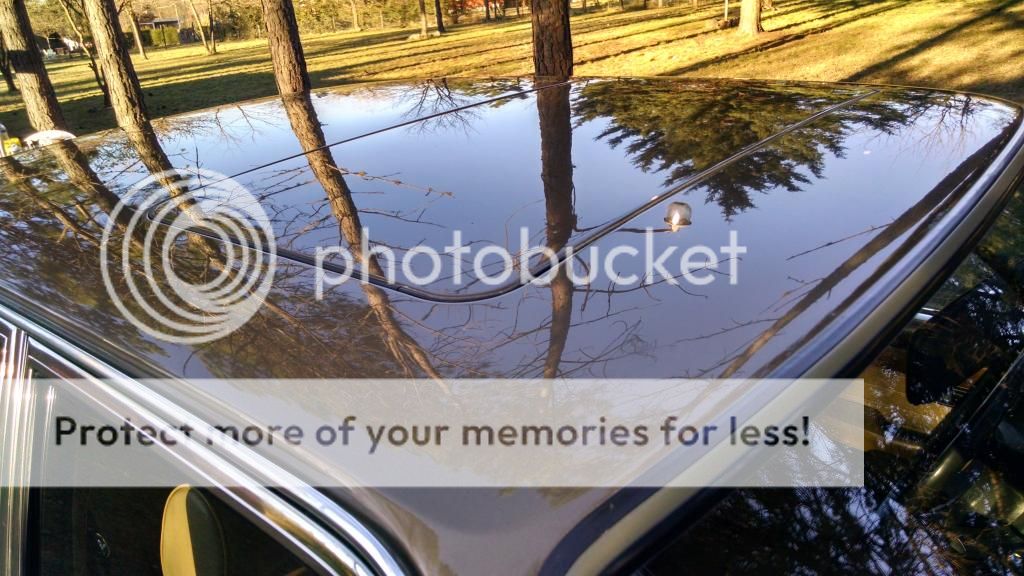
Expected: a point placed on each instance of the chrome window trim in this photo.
(13, 500)
(342, 545)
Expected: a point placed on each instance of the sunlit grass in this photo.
(973, 45)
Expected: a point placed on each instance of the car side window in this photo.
(944, 441)
(159, 530)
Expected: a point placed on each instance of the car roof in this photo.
(840, 193)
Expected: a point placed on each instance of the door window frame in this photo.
(341, 545)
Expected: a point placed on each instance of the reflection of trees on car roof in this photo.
(681, 129)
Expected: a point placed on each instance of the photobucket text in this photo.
(462, 264)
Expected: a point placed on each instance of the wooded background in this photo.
(216, 51)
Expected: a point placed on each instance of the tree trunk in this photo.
(555, 113)
(5, 67)
(406, 351)
(122, 82)
(552, 39)
(136, 32)
(440, 19)
(355, 15)
(423, 18)
(76, 165)
(213, 35)
(96, 72)
(380, 15)
(18, 175)
(41, 104)
(487, 10)
(285, 48)
(750, 17)
(125, 91)
(199, 25)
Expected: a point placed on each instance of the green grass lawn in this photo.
(973, 45)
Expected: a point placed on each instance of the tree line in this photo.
(97, 27)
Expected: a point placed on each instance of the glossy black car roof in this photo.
(844, 195)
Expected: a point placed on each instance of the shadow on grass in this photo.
(679, 17)
(87, 115)
(401, 58)
(1014, 24)
(786, 39)
(710, 16)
